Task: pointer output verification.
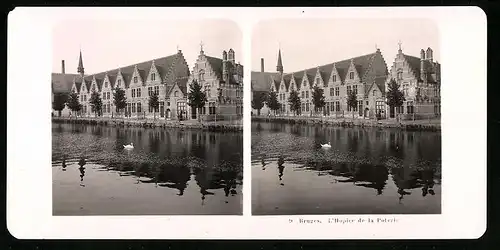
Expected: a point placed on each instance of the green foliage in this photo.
(74, 102)
(95, 102)
(119, 99)
(154, 103)
(318, 98)
(258, 101)
(395, 97)
(272, 101)
(59, 101)
(196, 97)
(352, 101)
(294, 101)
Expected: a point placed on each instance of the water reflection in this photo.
(402, 165)
(82, 163)
(165, 159)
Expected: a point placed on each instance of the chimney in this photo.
(62, 67)
(262, 65)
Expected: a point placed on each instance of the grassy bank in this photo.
(417, 125)
(221, 126)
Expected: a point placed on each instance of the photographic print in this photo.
(346, 117)
(147, 118)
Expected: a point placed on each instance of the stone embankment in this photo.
(220, 126)
(409, 125)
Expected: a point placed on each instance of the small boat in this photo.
(326, 145)
(130, 146)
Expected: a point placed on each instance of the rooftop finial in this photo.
(399, 43)
(201, 46)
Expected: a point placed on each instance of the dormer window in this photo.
(153, 76)
(176, 93)
(334, 79)
(119, 82)
(351, 75)
(106, 84)
(317, 81)
(135, 79)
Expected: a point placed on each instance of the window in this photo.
(332, 106)
(157, 90)
(307, 94)
(168, 103)
(379, 107)
(374, 92)
(119, 82)
(355, 89)
(211, 108)
(332, 93)
(334, 79)
(307, 107)
(400, 75)
(337, 91)
(138, 92)
(303, 107)
(135, 79)
(348, 90)
(409, 107)
(133, 93)
(109, 95)
(317, 81)
(351, 75)
(133, 107)
(150, 91)
(138, 107)
(176, 93)
(337, 106)
(106, 84)
(302, 94)
(109, 107)
(360, 105)
(153, 77)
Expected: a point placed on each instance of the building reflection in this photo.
(82, 163)
(363, 175)
(408, 179)
(281, 167)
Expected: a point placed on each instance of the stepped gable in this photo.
(62, 83)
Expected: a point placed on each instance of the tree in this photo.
(119, 99)
(95, 102)
(318, 99)
(59, 102)
(196, 97)
(352, 101)
(153, 103)
(258, 101)
(395, 97)
(74, 103)
(272, 101)
(294, 101)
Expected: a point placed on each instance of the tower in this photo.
(230, 56)
(224, 65)
(279, 66)
(422, 65)
(80, 65)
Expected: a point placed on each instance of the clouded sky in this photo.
(109, 44)
(307, 43)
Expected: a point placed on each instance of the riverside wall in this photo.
(418, 125)
(221, 126)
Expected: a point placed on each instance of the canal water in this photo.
(169, 171)
(366, 170)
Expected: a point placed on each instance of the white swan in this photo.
(326, 145)
(131, 146)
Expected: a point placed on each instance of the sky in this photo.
(307, 43)
(110, 44)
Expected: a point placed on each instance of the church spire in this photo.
(80, 65)
(279, 67)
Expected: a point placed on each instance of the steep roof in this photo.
(286, 79)
(414, 63)
(62, 83)
(380, 83)
(310, 77)
(298, 79)
(163, 64)
(261, 81)
(112, 79)
(181, 83)
(216, 64)
(362, 64)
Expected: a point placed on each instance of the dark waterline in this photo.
(366, 171)
(169, 171)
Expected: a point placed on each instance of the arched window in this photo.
(176, 93)
(153, 76)
(351, 75)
